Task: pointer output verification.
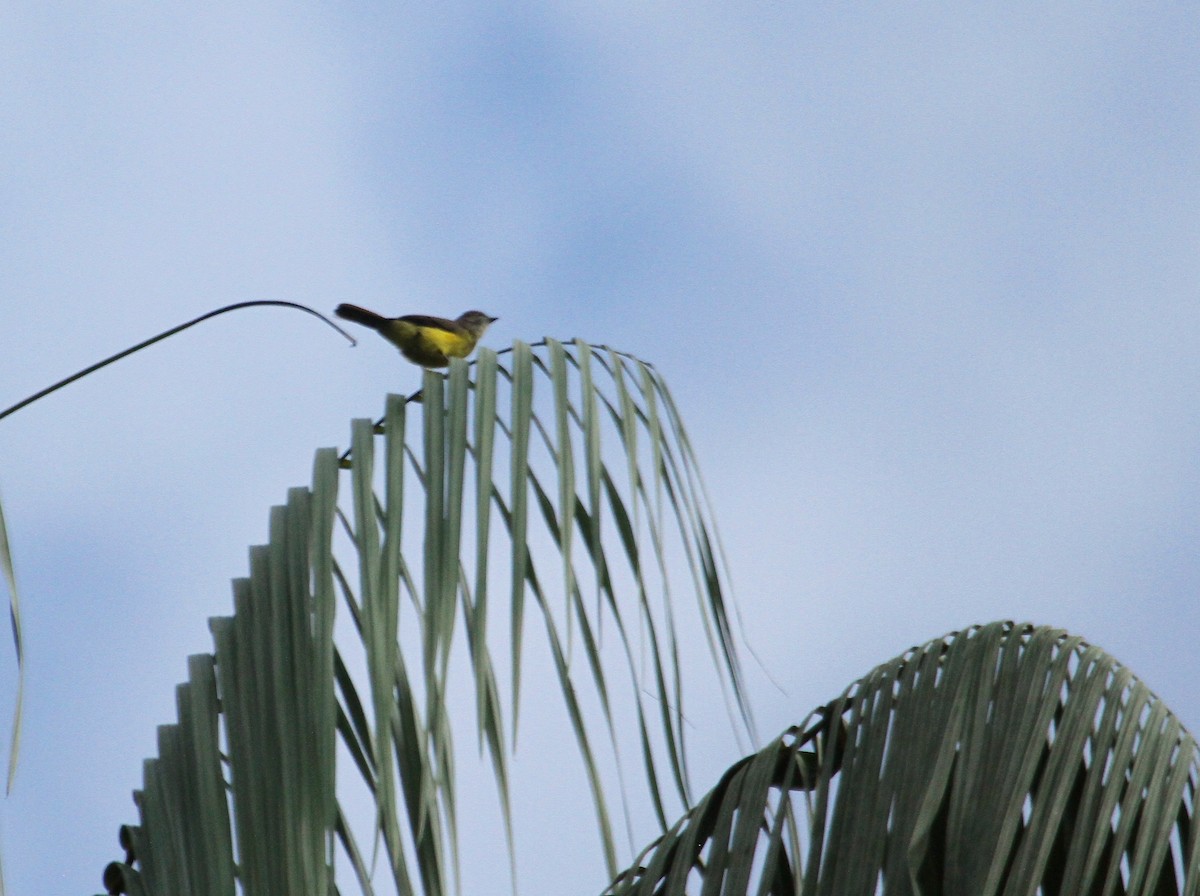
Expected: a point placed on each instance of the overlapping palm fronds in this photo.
(556, 493)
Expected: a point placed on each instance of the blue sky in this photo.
(923, 279)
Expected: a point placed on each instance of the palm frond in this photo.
(9, 575)
(586, 550)
(1001, 759)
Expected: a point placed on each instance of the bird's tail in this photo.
(361, 316)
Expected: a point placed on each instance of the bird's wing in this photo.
(437, 323)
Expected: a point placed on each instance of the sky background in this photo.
(923, 279)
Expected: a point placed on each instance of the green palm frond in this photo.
(574, 459)
(9, 575)
(999, 760)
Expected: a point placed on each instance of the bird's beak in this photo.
(492, 320)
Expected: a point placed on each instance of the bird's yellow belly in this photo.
(427, 346)
(452, 345)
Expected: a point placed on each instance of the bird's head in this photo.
(476, 322)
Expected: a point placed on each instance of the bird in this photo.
(424, 340)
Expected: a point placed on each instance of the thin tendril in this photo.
(171, 332)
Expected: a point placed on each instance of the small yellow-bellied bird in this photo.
(428, 341)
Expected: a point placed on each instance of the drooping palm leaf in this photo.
(587, 469)
(999, 760)
(9, 576)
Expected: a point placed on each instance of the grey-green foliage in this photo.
(551, 491)
(999, 760)
(9, 577)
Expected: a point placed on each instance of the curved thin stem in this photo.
(171, 332)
